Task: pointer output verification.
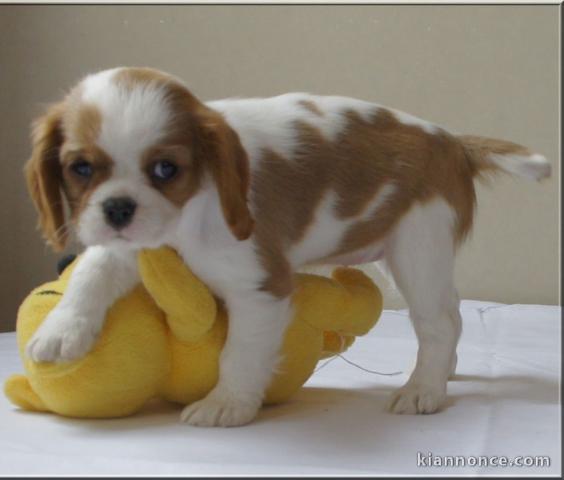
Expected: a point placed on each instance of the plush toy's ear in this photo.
(43, 174)
(226, 159)
(64, 262)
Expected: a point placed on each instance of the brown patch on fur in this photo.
(215, 148)
(185, 183)
(218, 147)
(478, 148)
(81, 122)
(180, 141)
(311, 106)
(130, 78)
(364, 157)
(81, 127)
(78, 189)
(421, 165)
(44, 176)
(280, 281)
(87, 124)
(67, 131)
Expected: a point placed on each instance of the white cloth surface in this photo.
(504, 401)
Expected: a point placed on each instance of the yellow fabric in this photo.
(164, 339)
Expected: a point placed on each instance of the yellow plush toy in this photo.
(164, 338)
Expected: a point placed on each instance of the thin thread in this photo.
(392, 374)
(325, 364)
(338, 355)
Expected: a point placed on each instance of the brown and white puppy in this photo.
(247, 191)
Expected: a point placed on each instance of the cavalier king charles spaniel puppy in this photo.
(248, 190)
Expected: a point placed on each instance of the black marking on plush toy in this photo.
(48, 292)
(64, 262)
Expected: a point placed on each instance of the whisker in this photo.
(63, 229)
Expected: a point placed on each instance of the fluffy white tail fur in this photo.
(532, 167)
(488, 154)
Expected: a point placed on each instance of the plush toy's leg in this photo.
(71, 328)
(364, 304)
(20, 393)
(257, 322)
(421, 258)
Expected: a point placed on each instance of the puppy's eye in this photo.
(164, 170)
(82, 168)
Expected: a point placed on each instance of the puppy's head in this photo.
(127, 148)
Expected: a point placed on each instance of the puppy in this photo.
(247, 191)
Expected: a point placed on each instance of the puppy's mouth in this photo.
(122, 236)
(114, 237)
(120, 241)
(125, 238)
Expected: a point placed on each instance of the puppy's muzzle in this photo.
(118, 211)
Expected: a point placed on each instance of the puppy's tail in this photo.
(488, 155)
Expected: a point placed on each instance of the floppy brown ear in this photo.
(229, 167)
(43, 174)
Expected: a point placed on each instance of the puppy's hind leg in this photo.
(420, 255)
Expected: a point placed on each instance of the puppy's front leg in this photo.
(69, 331)
(257, 322)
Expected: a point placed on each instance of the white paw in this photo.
(414, 398)
(63, 336)
(220, 409)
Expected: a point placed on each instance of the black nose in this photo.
(119, 211)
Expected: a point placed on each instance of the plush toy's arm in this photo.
(350, 304)
(188, 304)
